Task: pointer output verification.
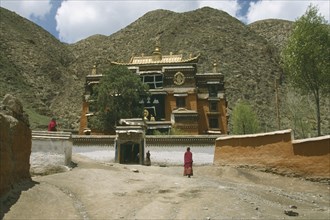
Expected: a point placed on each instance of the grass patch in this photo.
(36, 120)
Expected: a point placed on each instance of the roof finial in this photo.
(215, 66)
(157, 55)
(94, 69)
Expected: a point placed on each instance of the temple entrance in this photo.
(130, 141)
(129, 153)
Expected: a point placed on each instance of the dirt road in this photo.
(94, 190)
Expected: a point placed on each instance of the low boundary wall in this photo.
(151, 140)
(312, 146)
(53, 142)
(165, 149)
(278, 151)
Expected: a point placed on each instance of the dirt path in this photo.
(95, 190)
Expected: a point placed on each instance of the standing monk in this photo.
(188, 161)
(148, 161)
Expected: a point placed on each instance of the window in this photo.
(154, 81)
(213, 90)
(213, 122)
(180, 102)
(213, 106)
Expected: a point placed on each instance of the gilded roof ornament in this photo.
(94, 69)
(215, 65)
(157, 55)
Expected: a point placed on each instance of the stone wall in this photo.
(56, 142)
(277, 152)
(15, 144)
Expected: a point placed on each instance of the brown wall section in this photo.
(309, 158)
(255, 140)
(203, 108)
(312, 147)
(170, 103)
(191, 102)
(15, 151)
(223, 116)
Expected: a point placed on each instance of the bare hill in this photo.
(244, 57)
(34, 65)
(275, 31)
(49, 75)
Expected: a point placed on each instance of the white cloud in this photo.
(288, 10)
(77, 20)
(28, 8)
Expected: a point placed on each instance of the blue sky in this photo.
(74, 20)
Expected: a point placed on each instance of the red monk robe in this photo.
(188, 161)
(52, 125)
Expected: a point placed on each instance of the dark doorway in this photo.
(129, 153)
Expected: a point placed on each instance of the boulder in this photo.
(15, 144)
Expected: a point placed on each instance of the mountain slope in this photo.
(49, 76)
(243, 56)
(34, 64)
(275, 31)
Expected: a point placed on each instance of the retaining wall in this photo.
(276, 150)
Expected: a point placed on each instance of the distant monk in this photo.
(148, 161)
(52, 125)
(188, 161)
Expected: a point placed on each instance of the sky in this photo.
(74, 20)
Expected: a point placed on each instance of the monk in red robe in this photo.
(52, 125)
(188, 161)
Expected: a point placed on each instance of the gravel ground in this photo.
(97, 189)
(170, 156)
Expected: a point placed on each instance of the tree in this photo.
(244, 119)
(306, 57)
(117, 96)
(298, 113)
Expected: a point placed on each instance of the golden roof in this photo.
(158, 58)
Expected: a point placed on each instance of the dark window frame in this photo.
(213, 106)
(214, 123)
(213, 90)
(180, 102)
(153, 81)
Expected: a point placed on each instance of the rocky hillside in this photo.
(34, 64)
(244, 57)
(275, 31)
(49, 75)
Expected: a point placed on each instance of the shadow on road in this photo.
(10, 198)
